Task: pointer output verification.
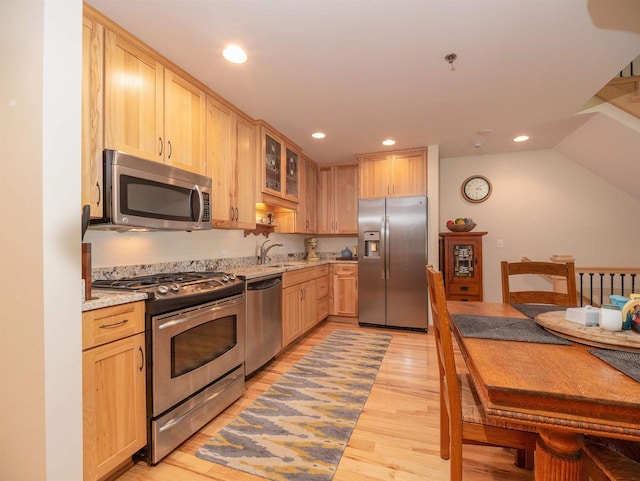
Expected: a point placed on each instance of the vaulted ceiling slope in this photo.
(365, 70)
(608, 145)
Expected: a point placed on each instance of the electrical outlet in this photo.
(224, 254)
(500, 243)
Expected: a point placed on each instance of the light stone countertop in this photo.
(106, 298)
(257, 271)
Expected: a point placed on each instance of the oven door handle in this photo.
(175, 421)
(182, 320)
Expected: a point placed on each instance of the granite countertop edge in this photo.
(255, 272)
(106, 298)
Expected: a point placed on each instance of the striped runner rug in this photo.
(299, 427)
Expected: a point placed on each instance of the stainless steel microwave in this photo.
(147, 195)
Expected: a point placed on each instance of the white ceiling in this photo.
(365, 70)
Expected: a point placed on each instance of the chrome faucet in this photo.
(264, 250)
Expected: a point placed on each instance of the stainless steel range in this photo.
(195, 340)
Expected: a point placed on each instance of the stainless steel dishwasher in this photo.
(264, 321)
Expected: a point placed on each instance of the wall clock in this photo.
(476, 189)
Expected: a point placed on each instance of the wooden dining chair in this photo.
(551, 269)
(462, 417)
(610, 460)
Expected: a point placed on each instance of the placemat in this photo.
(625, 362)
(532, 310)
(505, 329)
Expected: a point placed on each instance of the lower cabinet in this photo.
(113, 388)
(344, 290)
(322, 292)
(305, 299)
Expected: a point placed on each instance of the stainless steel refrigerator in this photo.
(392, 248)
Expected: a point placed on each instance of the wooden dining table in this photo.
(562, 390)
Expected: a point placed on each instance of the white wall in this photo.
(542, 204)
(40, 329)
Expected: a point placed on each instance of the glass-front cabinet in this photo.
(280, 166)
(272, 164)
(291, 187)
(461, 265)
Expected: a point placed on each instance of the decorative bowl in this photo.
(460, 227)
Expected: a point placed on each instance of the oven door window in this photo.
(202, 344)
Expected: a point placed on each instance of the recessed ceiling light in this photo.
(388, 142)
(521, 138)
(234, 54)
(318, 135)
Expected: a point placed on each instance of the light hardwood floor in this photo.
(397, 435)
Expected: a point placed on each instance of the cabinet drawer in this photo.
(322, 286)
(322, 308)
(291, 278)
(344, 269)
(464, 289)
(111, 323)
(322, 270)
(461, 297)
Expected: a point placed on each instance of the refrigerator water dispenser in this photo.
(372, 244)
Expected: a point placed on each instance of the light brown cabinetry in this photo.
(461, 265)
(231, 157)
(322, 292)
(306, 215)
(92, 114)
(393, 174)
(304, 301)
(280, 167)
(151, 111)
(113, 388)
(344, 290)
(338, 199)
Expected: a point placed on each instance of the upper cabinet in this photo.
(150, 111)
(231, 160)
(310, 216)
(393, 174)
(338, 199)
(92, 114)
(280, 167)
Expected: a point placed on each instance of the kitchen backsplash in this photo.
(225, 265)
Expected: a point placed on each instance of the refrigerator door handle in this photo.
(383, 247)
(387, 247)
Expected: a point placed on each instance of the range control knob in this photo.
(232, 277)
(225, 278)
(163, 290)
(175, 287)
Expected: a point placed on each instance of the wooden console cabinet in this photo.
(461, 265)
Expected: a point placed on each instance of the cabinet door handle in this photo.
(232, 213)
(464, 288)
(99, 193)
(170, 148)
(161, 145)
(141, 359)
(115, 324)
(237, 214)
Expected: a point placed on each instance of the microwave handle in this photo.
(198, 209)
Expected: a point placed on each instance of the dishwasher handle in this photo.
(262, 285)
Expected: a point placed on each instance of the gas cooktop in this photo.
(197, 286)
